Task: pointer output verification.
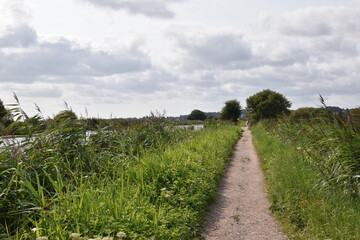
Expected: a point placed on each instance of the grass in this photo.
(149, 180)
(303, 199)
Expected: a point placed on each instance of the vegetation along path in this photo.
(242, 209)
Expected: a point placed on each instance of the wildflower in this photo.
(163, 189)
(167, 195)
(121, 235)
(107, 238)
(35, 229)
(75, 235)
(42, 238)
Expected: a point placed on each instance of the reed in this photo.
(147, 181)
(312, 169)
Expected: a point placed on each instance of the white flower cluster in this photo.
(121, 235)
(77, 236)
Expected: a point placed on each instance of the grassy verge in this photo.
(305, 210)
(158, 194)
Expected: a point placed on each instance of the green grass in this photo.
(305, 208)
(150, 181)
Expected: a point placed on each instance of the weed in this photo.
(307, 166)
(149, 180)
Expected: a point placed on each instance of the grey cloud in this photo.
(19, 36)
(149, 8)
(326, 34)
(107, 64)
(124, 88)
(35, 91)
(309, 22)
(147, 82)
(303, 29)
(226, 50)
(62, 59)
(305, 52)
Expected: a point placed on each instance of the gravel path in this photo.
(241, 211)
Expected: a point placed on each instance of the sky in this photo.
(128, 58)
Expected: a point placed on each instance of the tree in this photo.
(355, 114)
(3, 111)
(267, 104)
(66, 115)
(5, 117)
(197, 115)
(231, 111)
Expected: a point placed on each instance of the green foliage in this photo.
(267, 104)
(5, 117)
(65, 115)
(231, 111)
(332, 145)
(197, 115)
(146, 180)
(355, 115)
(306, 209)
(309, 113)
(3, 111)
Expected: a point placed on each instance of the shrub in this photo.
(267, 104)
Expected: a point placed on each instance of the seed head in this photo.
(42, 238)
(121, 235)
(107, 238)
(75, 236)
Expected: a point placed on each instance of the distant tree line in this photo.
(266, 104)
(197, 115)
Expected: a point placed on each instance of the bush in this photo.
(231, 111)
(197, 115)
(267, 104)
(309, 113)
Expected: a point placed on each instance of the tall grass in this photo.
(332, 146)
(149, 181)
(312, 174)
(66, 152)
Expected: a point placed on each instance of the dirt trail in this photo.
(241, 211)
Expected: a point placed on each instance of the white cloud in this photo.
(183, 65)
(300, 54)
(149, 8)
(314, 21)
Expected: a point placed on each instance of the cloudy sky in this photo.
(125, 58)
